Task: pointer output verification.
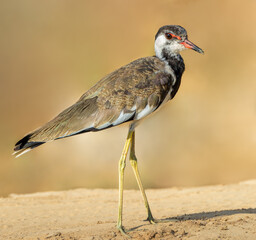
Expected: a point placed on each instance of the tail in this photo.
(78, 118)
(24, 145)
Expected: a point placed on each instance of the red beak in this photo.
(190, 45)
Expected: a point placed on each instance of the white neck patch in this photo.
(160, 42)
(173, 47)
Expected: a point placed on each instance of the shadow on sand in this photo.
(208, 215)
(203, 216)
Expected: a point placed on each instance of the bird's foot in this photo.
(122, 231)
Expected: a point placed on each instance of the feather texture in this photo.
(130, 93)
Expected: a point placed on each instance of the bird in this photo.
(128, 94)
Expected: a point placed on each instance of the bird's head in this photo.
(171, 39)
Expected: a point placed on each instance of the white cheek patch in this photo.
(171, 46)
(176, 47)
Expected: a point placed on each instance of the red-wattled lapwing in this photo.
(128, 94)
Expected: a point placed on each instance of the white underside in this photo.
(123, 117)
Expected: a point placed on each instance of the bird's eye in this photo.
(168, 36)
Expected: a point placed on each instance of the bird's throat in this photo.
(174, 60)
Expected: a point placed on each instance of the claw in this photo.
(122, 231)
(152, 220)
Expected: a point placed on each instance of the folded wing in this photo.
(127, 94)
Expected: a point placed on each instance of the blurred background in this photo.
(53, 51)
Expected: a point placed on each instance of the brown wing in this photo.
(129, 93)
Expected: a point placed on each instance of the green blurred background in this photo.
(53, 51)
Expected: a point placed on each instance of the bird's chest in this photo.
(167, 81)
(174, 73)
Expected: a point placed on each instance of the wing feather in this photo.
(129, 93)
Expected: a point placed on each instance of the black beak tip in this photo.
(192, 46)
(201, 51)
(197, 49)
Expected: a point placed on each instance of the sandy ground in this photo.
(212, 212)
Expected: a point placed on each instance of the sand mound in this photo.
(212, 212)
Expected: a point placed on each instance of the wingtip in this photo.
(25, 145)
(21, 152)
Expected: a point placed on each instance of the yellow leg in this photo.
(133, 161)
(122, 163)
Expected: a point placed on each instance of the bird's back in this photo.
(127, 94)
